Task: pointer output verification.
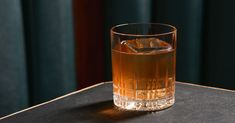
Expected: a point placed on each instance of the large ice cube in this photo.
(146, 45)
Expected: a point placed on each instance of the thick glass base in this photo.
(143, 105)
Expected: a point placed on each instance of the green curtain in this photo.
(50, 48)
(13, 71)
(219, 60)
(36, 52)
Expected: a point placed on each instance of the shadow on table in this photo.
(101, 112)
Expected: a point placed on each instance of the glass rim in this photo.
(145, 35)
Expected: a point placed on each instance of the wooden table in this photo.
(194, 104)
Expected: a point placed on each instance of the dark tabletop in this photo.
(194, 104)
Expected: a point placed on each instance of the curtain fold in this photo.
(89, 40)
(50, 48)
(13, 78)
(219, 44)
(118, 12)
(187, 16)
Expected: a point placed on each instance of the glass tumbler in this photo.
(143, 66)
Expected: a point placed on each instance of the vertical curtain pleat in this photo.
(187, 16)
(13, 81)
(220, 41)
(88, 20)
(50, 48)
(122, 11)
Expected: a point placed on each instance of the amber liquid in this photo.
(143, 76)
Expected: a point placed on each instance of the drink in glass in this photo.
(143, 66)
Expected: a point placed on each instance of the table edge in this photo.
(55, 99)
(87, 88)
(203, 86)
